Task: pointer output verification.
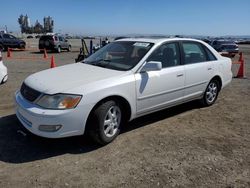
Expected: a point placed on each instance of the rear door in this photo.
(65, 43)
(62, 42)
(198, 68)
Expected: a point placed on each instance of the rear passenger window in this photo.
(193, 53)
(168, 54)
(6, 36)
(210, 55)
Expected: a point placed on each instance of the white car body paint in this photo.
(145, 92)
(3, 71)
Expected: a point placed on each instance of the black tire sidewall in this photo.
(98, 117)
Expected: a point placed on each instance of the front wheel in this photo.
(211, 93)
(106, 122)
(22, 46)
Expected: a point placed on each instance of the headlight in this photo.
(59, 101)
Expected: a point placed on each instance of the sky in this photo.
(121, 17)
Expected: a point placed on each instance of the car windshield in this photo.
(120, 55)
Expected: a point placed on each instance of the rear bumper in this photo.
(42, 47)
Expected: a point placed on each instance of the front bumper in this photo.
(31, 116)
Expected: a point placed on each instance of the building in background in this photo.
(48, 24)
(27, 27)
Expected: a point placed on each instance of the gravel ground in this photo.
(184, 146)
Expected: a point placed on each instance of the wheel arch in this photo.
(218, 78)
(126, 107)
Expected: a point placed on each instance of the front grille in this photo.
(29, 93)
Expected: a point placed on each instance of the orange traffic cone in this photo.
(9, 52)
(52, 62)
(241, 69)
(45, 55)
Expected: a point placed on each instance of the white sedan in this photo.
(125, 79)
(3, 71)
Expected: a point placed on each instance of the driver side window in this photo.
(168, 54)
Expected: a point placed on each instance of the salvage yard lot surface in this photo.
(184, 146)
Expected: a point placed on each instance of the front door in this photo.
(159, 89)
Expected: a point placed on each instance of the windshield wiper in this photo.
(99, 62)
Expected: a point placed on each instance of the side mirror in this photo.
(152, 66)
(66, 40)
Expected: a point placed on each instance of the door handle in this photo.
(179, 75)
(209, 68)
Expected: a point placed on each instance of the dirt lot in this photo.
(185, 146)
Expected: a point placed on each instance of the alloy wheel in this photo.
(112, 121)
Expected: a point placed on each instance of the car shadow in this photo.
(48, 52)
(41, 52)
(17, 145)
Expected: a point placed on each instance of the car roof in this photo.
(158, 40)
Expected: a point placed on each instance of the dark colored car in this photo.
(225, 46)
(10, 41)
(54, 43)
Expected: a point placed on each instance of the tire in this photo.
(59, 50)
(211, 93)
(4, 80)
(22, 46)
(105, 122)
(69, 48)
(1, 47)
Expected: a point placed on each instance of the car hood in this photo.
(61, 79)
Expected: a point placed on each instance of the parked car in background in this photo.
(3, 71)
(123, 80)
(30, 37)
(208, 41)
(226, 46)
(10, 41)
(54, 42)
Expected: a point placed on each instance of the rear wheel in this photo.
(69, 48)
(211, 93)
(105, 122)
(22, 46)
(59, 49)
